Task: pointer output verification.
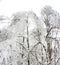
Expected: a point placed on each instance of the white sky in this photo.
(7, 7)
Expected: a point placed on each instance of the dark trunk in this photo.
(28, 40)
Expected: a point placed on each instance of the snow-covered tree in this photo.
(52, 21)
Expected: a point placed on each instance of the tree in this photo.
(51, 19)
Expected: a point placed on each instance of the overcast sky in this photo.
(8, 7)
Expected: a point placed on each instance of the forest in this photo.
(27, 39)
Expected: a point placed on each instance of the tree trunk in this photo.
(28, 40)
